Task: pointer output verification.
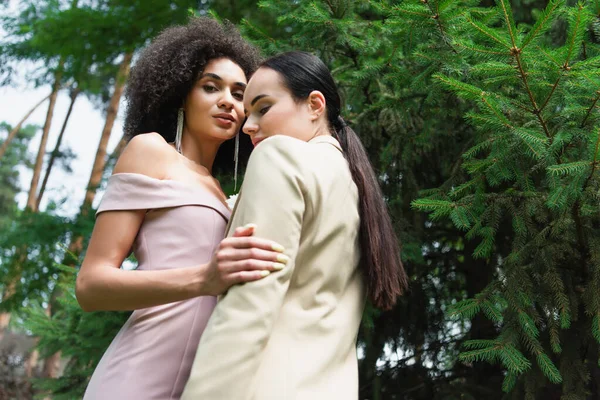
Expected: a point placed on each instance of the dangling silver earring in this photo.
(235, 161)
(179, 132)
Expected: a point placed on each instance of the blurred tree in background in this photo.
(482, 120)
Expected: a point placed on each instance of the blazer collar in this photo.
(327, 139)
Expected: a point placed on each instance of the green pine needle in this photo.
(548, 368)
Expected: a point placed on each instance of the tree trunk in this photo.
(119, 149)
(370, 384)
(100, 159)
(74, 93)
(111, 115)
(17, 128)
(31, 363)
(4, 320)
(5, 316)
(51, 363)
(37, 169)
(31, 199)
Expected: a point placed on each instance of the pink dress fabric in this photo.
(151, 356)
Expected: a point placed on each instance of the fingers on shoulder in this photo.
(146, 154)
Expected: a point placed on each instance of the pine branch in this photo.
(551, 58)
(536, 111)
(510, 23)
(569, 168)
(406, 10)
(354, 57)
(542, 22)
(583, 248)
(589, 111)
(574, 36)
(436, 17)
(548, 368)
(500, 116)
(551, 93)
(487, 32)
(480, 50)
(596, 326)
(594, 162)
(492, 311)
(491, 350)
(510, 380)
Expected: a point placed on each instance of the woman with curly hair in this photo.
(184, 100)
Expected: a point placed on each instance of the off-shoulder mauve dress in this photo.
(151, 356)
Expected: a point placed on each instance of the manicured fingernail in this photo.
(264, 273)
(283, 258)
(278, 266)
(277, 247)
(248, 226)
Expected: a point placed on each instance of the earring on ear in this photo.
(179, 131)
(236, 155)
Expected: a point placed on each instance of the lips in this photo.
(256, 141)
(225, 116)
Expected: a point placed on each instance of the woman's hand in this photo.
(241, 258)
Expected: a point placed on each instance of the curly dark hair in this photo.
(166, 72)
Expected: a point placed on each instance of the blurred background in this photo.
(480, 117)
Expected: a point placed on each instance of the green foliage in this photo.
(81, 337)
(531, 176)
(43, 235)
(16, 155)
(82, 41)
(494, 108)
(481, 119)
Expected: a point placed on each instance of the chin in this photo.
(230, 135)
(223, 135)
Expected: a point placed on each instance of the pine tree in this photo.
(413, 133)
(530, 196)
(481, 119)
(511, 110)
(11, 384)
(81, 338)
(134, 24)
(9, 174)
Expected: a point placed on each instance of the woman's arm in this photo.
(102, 285)
(273, 196)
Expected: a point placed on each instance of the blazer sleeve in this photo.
(273, 198)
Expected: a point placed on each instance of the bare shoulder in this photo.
(147, 154)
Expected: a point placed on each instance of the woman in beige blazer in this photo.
(310, 187)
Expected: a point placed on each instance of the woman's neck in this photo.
(200, 152)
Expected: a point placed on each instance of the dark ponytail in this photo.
(380, 254)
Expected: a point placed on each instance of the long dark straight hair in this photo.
(382, 267)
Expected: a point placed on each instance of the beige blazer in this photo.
(291, 335)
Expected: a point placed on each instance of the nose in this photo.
(226, 101)
(250, 127)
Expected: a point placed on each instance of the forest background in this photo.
(480, 116)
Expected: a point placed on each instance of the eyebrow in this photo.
(218, 78)
(257, 98)
(254, 100)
